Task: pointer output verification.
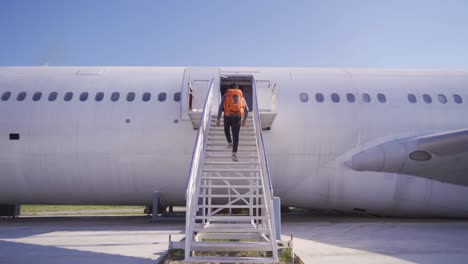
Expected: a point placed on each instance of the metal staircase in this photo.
(229, 204)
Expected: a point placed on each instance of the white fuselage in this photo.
(121, 152)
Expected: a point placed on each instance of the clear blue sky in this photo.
(391, 34)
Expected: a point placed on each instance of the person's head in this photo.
(234, 86)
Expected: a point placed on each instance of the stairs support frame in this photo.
(251, 191)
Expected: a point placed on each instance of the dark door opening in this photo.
(243, 82)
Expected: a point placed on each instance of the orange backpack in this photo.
(234, 103)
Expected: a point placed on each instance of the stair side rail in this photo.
(191, 196)
(265, 169)
(260, 142)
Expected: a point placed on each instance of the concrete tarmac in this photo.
(317, 239)
(78, 240)
(335, 239)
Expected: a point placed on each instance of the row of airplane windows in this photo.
(83, 96)
(351, 98)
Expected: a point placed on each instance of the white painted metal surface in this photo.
(86, 153)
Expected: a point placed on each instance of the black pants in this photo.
(233, 123)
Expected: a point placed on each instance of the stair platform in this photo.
(232, 260)
(231, 246)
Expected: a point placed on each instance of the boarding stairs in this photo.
(229, 204)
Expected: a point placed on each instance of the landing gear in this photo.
(158, 211)
(9, 210)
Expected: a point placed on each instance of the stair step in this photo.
(222, 135)
(243, 128)
(222, 225)
(250, 130)
(231, 195)
(215, 116)
(247, 124)
(246, 127)
(225, 186)
(231, 206)
(224, 156)
(231, 246)
(220, 131)
(222, 138)
(230, 170)
(252, 237)
(230, 218)
(230, 230)
(251, 147)
(222, 119)
(241, 144)
(221, 127)
(232, 260)
(232, 178)
(230, 150)
(230, 163)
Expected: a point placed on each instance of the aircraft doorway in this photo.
(243, 82)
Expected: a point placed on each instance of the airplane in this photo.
(377, 141)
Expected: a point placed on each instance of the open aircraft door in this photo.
(267, 102)
(195, 87)
(194, 90)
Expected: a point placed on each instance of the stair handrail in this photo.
(200, 142)
(265, 170)
(260, 141)
(197, 161)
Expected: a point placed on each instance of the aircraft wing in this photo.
(442, 157)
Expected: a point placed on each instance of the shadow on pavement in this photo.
(13, 252)
(328, 236)
(95, 239)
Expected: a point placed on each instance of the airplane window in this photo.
(457, 99)
(381, 98)
(420, 155)
(115, 96)
(427, 98)
(53, 96)
(366, 97)
(130, 96)
(177, 97)
(14, 136)
(412, 98)
(21, 96)
(442, 99)
(162, 97)
(335, 97)
(37, 96)
(6, 96)
(99, 96)
(68, 96)
(304, 97)
(351, 98)
(146, 97)
(319, 97)
(83, 96)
